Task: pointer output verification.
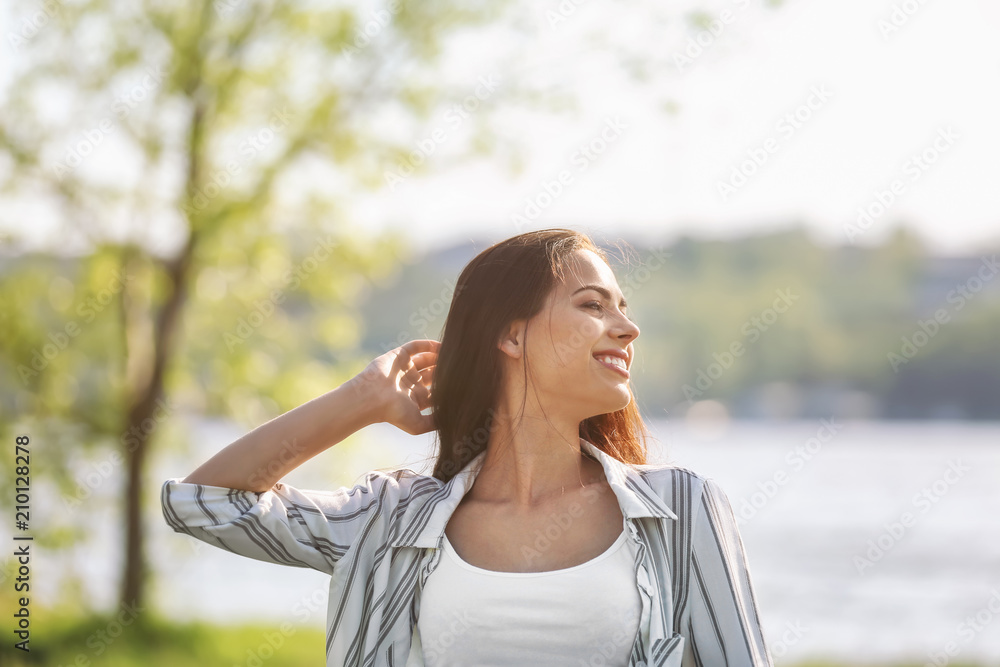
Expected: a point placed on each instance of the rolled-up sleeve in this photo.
(724, 624)
(284, 525)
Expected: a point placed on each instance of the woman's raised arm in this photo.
(394, 387)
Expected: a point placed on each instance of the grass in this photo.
(62, 639)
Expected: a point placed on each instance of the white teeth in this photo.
(617, 361)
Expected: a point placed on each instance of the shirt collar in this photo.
(635, 497)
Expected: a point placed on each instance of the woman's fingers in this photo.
(421, 395)
(418, 364)
(416, 361)
(424, 359)
(406, 360)
(416, 376)
(419, 347)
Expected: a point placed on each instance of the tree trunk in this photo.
(134, 579)
(141, 421)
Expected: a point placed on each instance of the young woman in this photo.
(542, 537)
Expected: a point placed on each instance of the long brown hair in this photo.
(508, 281)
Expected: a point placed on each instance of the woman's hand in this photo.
(398, 385)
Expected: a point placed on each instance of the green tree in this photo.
(177, 147)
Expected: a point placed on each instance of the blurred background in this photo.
(213, 212)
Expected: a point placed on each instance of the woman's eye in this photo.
(591, 304)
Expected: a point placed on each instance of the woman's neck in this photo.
(532, 468)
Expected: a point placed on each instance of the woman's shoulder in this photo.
(667, 471)
(398, 475)
(669, 479)
(400, 481)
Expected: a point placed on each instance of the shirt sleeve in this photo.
(724, 622)
(282, 525)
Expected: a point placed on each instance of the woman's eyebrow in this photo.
(603, 292)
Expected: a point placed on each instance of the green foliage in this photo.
(67, 639)
(214, 278)
(852, 307)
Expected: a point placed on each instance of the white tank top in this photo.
(587, 614)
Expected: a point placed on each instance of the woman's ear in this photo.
(512, 342)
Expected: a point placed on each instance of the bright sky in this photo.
(888, 99)
(869, 103)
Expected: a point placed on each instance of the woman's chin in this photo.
(624, 398)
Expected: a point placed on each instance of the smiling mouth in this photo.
(618, 369)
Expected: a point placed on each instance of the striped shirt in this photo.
(380, 540)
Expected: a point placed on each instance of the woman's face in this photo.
(583, 319)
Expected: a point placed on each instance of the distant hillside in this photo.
(884, 332)
(771, 326)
